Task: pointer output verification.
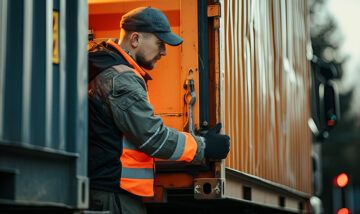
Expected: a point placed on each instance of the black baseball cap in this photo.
(150, 20)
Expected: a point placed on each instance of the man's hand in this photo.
(217, 145)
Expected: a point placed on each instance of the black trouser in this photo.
(116, 203)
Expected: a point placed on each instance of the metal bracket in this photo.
(209, 188)
(82, 192)
(214, 10)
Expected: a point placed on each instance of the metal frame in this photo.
(203, 63)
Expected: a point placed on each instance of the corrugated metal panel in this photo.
(265, 90)
(43, 108)
(3, 26)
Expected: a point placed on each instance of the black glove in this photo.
(217, 145)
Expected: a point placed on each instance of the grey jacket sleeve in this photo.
(134, 116)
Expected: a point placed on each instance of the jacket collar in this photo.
(130, 60)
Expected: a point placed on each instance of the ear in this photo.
(134, 39)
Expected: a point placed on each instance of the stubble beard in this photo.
(148, 65)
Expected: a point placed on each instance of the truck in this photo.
(245, 64)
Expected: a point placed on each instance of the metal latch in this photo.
(214, 10)
(190, 99)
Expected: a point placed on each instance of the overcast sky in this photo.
(347, 15)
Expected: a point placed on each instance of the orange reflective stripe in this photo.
(140, 187)
(137, 167)
(128, 58)
(136, 159)
(190, 148)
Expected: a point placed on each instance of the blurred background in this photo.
(335, 36)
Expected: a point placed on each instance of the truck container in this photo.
(244, 63)
(248, 63)
(43, 104)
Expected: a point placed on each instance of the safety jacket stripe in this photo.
(131, 158)
(179, 148)
(136, 159)
(137, 173)
(190, 148)
(141, 187)
(162, 143)
(150, 138)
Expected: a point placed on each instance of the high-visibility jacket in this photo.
(124, 125)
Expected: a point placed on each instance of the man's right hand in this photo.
(217, 145)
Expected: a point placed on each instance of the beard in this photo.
(147, 64)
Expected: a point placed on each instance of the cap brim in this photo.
(169, 38)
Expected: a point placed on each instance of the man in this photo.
(124, 134)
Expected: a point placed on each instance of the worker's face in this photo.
(151, 49)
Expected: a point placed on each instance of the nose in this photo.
(163, 52)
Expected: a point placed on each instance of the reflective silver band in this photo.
(179, 150)
(150, 138)
(138, 173)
